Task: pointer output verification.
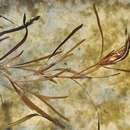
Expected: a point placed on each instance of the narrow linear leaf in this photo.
(66, 39)
(17, 45)
(23, 119)
(42, 98)
(34, 107)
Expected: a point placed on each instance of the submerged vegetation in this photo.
(35, 70)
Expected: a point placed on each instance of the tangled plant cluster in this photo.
(38, 72)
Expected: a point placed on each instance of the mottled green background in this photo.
(59, 18)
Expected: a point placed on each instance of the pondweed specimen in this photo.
(8, 62)
(111, 58)
(39, 72)
(4, 71)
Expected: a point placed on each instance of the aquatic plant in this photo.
(40, 73)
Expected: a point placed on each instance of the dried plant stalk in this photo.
(6, 64)
(42, 73)
(111, 58)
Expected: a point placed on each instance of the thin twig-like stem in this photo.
(28, 23)
(100, 29)
(1, 16)
(66, 39)
(18, 44)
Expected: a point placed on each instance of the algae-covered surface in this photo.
(110, 97)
